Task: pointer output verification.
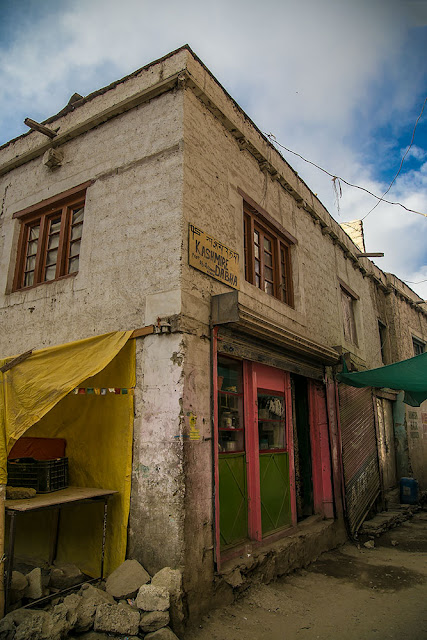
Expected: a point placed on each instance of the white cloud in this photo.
(321, 76)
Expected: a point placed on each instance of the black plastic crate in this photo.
(42, 475)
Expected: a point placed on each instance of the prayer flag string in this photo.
(103, 391)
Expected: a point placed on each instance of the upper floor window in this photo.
(348, 300)
(419, 346)
(268, 255)
(50, 238)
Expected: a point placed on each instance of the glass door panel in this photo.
(233, 499)
(271, 422)
(274, 478)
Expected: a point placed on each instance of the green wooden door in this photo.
(275, 491)
(233, 500)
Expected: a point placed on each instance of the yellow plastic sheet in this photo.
(98, 430)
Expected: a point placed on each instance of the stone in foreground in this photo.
(171, 579)
(125, 581)
(153, 620)
(65, 575)
(95, 595)
(34, 589)
(162, 634)
(152, 598)
(116, 619)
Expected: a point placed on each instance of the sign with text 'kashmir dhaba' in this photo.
(213, 257)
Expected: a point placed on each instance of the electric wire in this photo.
(273, 139)
(411, 282)
(401, 162)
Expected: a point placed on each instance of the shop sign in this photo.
(212, 257)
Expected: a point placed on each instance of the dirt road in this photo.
(350, 594)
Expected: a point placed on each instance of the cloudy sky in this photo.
(341, 82)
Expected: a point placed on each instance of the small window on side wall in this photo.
(267, 256)
(50, 239)
(348, 300)
(382, 330)
(419, 346)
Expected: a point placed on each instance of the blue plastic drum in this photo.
(408, 491)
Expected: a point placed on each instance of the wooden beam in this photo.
(370, 255)
(16, 361)
(144, 331)
(36, 126)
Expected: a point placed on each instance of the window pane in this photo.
(257, 266)
(73, 265)
(78, 215)
(230, 406)
(34, 233)
(267, 244)
(256, 249)
(55, 226)
(32, 248)
(53, 241)
(76, 232)
(29, 279)
(75, 249)
(257, 280)
(51, 257)
(30, 263)
(271, 422)
(256, 237)
(268, 288)
(50, 273)
(268, 273)
(268, 259)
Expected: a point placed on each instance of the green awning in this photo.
(409, 376)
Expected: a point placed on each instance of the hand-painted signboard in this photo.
(212, 257)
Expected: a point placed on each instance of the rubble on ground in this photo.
(386, 520)
(125, 581)
(119, 608)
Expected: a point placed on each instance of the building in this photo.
(158, 207)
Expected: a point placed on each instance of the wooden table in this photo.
(55, 500)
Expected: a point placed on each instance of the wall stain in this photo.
(177, 358)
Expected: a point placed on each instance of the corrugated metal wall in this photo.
(359, 452)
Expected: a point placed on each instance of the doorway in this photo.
(302, 448)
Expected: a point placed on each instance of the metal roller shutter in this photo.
(359, 453)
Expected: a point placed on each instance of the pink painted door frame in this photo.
(321, 455)
(324, 429)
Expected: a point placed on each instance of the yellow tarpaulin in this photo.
(98, 430)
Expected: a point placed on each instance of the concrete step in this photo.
(389, 519)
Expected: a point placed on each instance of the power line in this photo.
(334, 177)
(401, 162)
(410, 281)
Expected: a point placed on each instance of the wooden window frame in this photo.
(350, 333)
(418, 346)
(281, 244)
(41, 215)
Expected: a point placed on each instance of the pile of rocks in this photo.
(33, 582)
(129, 605)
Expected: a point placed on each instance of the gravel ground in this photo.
(351, 593)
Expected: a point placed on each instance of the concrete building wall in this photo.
(130, 269)
(212, 202)
(214, 169)
(410, 321)
(131, 235)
